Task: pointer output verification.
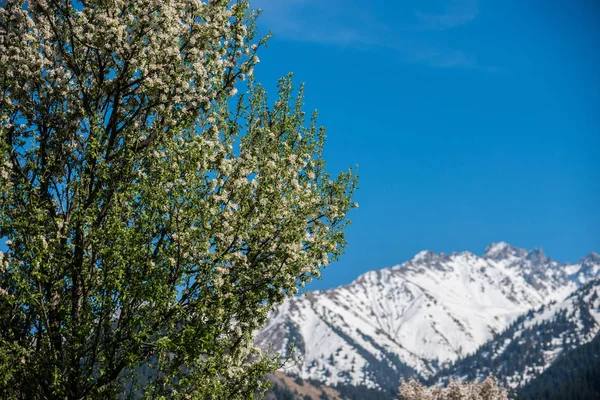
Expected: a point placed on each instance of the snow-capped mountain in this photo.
(418, 316)
(534, 341)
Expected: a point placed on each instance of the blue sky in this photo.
(470, 121)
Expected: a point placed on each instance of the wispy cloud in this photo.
(350, 23)
(455, 13)
(438, 56)
(322, 21)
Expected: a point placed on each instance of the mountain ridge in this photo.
(532, 343)
(414, 318)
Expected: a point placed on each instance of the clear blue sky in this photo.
(471, 121)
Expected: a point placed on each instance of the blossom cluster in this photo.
(488, 389)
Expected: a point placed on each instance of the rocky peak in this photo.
(503, 250)
(592, 258)
(590, 266)
(431, 260)
(424, 256)
(537, 256)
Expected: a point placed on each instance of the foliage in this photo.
(151, 217)
(488, 389)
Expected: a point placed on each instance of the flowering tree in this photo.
(488, 389)
(152, 218)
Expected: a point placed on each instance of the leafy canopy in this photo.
(152, 218)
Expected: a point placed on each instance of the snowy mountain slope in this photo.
(534, 341)
(415, 317)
